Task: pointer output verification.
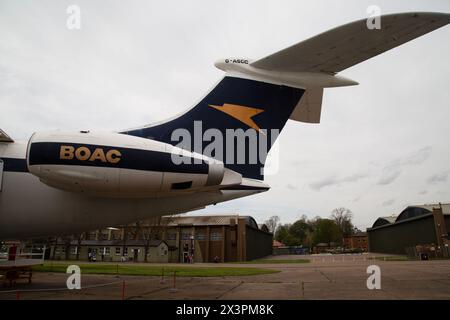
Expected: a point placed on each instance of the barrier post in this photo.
(162, 281)
(123, 290)
(174, 287)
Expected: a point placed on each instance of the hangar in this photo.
(424, 226)
(214, 238)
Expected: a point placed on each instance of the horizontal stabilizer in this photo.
(4, 137)
(347, 45)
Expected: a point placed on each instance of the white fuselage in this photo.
(31, 208)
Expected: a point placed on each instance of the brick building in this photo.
(357, 241)
(171, 239)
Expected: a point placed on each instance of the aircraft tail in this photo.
(237, 123)
(256, 98)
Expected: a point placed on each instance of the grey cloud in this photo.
(438, 178)
(388, 177)
(333, 180)
(393, 169)
(291, 187)
(387, 203)
(423, 192)
(415, 158)
(323, 183)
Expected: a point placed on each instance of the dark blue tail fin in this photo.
(251, 109)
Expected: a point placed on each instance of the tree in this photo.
(291, 240)
(299, 229)
(343, 219)
(272, 223)
(67, 246)
(308, 241)
(326, 231)
(296, 234)
(356, 230)
(79, 240)
(54, 242)
(124, 239)
(153, 230)
(282, 233)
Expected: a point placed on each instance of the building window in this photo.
(200, 236)
(185, 236)
(125, 251)
(117, 251)
(116, 235)
(104, 236)
(74, 250)
(172, 236)
(216, 236)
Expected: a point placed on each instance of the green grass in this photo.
(156, 270)
(404, 258)
(392, 258)
(270, 261)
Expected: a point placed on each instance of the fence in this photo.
(114, 290)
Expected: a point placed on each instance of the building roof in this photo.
(322, 244)
(445, 207)
(277, 243)
(219, 220)
(331, 244)
(117, 243)
(412, 212)
(421, 210)
(381, 221)
(358, 234)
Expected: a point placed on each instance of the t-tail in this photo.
(240, 118)
(236, 123)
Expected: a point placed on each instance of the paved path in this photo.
(332, 277)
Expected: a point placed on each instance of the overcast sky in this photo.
(380, 146)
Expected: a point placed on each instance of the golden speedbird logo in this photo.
(241, 113)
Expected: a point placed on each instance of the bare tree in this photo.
(272, 223)
(343, 218)
(67, 244)
(55, 245)
(124, 238)
(153, 230)
(130, 232)
(148, 234)
(79, 239)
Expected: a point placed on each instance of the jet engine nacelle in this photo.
(118, 165)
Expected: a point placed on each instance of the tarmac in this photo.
(325, 277)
